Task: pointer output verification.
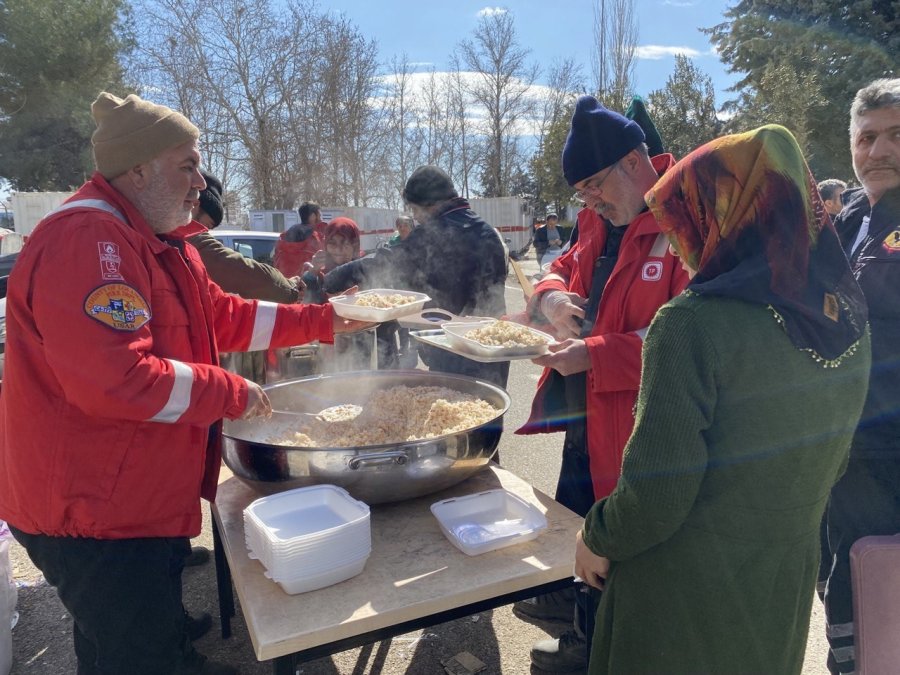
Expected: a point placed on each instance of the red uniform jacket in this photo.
(111, 382)
(645, 277)
(290, 256)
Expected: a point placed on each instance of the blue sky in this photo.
(428, 31)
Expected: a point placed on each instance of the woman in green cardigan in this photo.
(753, 382)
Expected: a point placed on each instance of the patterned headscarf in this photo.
(744, 211)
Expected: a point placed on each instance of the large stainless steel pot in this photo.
(375, 473)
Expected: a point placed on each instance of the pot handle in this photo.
(396, 456)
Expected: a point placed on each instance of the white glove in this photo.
(258, 404)
(564, 311)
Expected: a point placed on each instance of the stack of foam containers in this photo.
(310, 537)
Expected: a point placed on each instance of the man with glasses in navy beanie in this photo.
(598, 299)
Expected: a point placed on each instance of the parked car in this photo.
(257, 245)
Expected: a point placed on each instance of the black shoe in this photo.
(556, 606)
(197, 626)
(198, 556)
(566, 654)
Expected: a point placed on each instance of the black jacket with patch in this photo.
(876, 265)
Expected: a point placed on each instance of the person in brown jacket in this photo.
(234, 272)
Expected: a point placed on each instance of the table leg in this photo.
(223, 583)
(284, 665)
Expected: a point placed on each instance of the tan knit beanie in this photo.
(134, 131)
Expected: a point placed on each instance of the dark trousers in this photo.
(124, 596)
(575, 491)
(864, 502)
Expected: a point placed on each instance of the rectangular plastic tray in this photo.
(345, 305)
(456, 337)
(488, 520)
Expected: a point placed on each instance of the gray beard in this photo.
(150, 203)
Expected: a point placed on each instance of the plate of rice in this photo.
(378, 304)
(497, 338)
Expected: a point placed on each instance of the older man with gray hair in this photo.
(866, 501)
(113, 393)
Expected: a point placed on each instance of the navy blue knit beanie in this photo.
(598, 138)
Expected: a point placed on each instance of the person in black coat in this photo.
(866, 500)
(453, 256)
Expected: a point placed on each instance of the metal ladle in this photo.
(331, 411)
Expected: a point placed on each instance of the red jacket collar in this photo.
(189, 230)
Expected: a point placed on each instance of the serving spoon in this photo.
(335, 413)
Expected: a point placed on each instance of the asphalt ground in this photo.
(42, 640)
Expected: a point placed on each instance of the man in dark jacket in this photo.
(453, 256)
(866, 501)
(238, 274)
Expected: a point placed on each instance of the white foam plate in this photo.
(326, 553)
(345, 305)
(305, 514)
(312, 565)
(306, 583)
(456, 337)
(488, 520)
(437, 338)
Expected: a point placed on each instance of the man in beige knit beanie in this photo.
(114, 337)
(140, 147)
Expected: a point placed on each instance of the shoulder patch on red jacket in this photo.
(119, 306)
(109, 261)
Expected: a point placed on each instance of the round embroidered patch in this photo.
(891, 242)
(119, 306)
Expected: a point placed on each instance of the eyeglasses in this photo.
(594, 185)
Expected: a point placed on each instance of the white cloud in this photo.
(492, 11)
(419, 82)
(657, 52)
(680, 3)
(420, 64)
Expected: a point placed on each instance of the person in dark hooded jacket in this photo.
(453, 256)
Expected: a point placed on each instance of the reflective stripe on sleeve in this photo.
(844, 654)
(263, 325)
(839, 630)
(90, 204)
(180, 396)
(642, 333)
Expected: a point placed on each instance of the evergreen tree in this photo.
(684, 111)
(56, 56)
(802, 62)
(553, 192)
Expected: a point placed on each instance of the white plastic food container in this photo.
(456, 337)
(488, 520)
(345, 305)
(305, 582)
(310, 537)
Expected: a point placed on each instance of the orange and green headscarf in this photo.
(744, 211)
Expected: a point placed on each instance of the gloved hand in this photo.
(258, 404)
(564, 312)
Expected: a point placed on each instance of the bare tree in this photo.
(564, 81)
(403, 117)
(501, 87)
(612, 63)
(462, 154)
(293, 116)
